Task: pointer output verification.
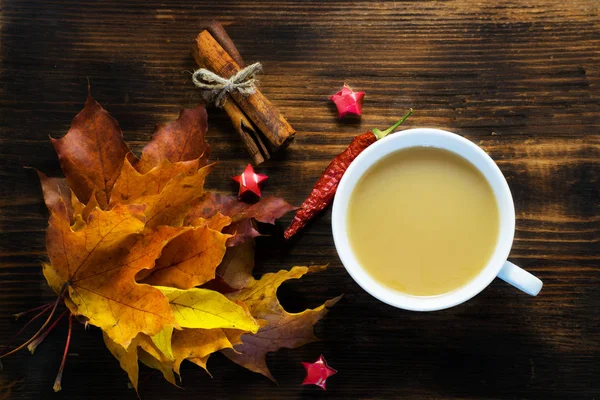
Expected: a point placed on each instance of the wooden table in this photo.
(521, 79)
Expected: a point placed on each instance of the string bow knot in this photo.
(216, 87)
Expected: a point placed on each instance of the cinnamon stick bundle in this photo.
(259, 124)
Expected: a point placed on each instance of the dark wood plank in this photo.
(521, 79)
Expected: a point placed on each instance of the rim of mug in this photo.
(424, 137)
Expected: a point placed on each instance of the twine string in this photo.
(215, 88)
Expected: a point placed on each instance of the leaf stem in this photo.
(33, 345)
(381, 134)
(57, 387)
(58, 299)
(46, 308)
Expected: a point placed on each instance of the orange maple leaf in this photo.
(98, 263)
(168, 190)
(131, 184)
(189, 260)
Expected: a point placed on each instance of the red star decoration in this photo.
(318, 372)
(348, 101)
(249, 181)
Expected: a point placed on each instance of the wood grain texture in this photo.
(519, 78)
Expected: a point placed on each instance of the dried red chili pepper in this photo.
(325, 188)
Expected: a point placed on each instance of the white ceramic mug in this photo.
(497, 266)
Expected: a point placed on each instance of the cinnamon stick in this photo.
(271, 124)
(250, 137)
(242, 125)
(218, 32)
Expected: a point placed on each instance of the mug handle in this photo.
(520, 278)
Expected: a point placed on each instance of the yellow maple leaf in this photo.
(128, 358)
(166, 367)
(162, 340)
(142, 348)
(191, 344)
(207, 309)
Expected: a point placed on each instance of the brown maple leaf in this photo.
(92, 152)
(280, 329)
(237, 264)
(55, 189)
(179, 140)
(242, 214)
(266, 210)
(98, 263)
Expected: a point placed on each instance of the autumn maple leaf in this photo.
(92, 152)
(176, 141)
(242, 214)
(279, 328)
(56, 189)
(98, 265)
(196, 345)
(142, 348)
(206, 316)
(237, 264)
(189, 260)
(165, 205)
(132, 185)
